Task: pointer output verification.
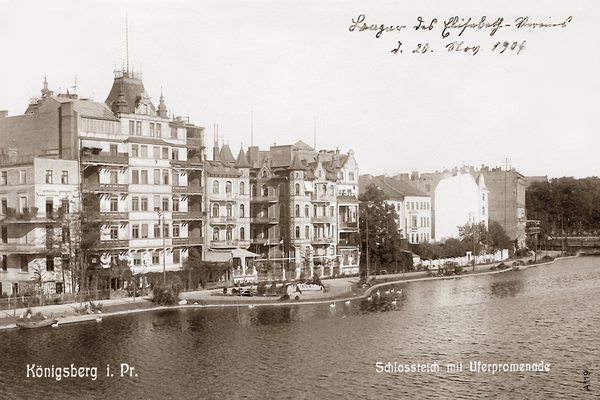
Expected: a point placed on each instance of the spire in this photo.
(45, 90)
(296, 164)
(162, 109)
(121, 105)
(242, 160)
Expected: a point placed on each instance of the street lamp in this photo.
(472, 215)
(162, 228)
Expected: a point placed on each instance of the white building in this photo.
(459, 200)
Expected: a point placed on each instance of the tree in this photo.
(201, 272)
(381, 239)
(497, 238)
(473, 236)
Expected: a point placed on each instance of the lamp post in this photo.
(367, 220)
(472, 215)
(161, 215)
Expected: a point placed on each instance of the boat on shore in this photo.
(36, 324)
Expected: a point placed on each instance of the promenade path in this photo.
(339, 289)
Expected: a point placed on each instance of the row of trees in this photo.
(566, 206)
(384, 249)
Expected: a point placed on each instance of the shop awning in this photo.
(308, 186)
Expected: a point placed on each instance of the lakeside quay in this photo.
(340, 289)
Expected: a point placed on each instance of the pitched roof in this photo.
(393, 188)
(225, 154)
(89, 109)
(300, 145)
(132, 87)
(242, 160)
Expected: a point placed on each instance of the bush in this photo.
(261, 289)
(285, 297)
(166, 295)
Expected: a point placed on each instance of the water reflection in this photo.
(330, 352)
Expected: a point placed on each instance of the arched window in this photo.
(242, 187)
(331, 190)
(242, 233)
(253, 189)
(282, 231)
(229, 209)
(228, 187)
(307, 231)
(265, 232)
(215, 209)
(297, 232)
(215, 186)
(297, 189)
(315, 208)
(241, 211)
(265, 190)
(297, 210)
(216, 233)
(281, 211)
(228, 233)
(281, 189)
(265, 211)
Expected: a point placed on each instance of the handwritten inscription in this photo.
(457, 26)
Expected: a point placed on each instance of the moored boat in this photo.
(36, 324)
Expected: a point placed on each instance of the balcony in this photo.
(264, 220)
(189, 190)
(347, 199)
(225, 243)
(322, 240)
(265, 199)
(114, 244)
(121, 159)
(322, 220)
(262, 241)
(221, 196)
(187, 164)
(188, 241)
(322, 198)
(222, 220)
(348, 225)
(95, 187)
(28, 215)
(188, 215)
(23, 248)
(114, 216)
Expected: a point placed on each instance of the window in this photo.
(175, 203)
(156, 202)
(156, 152)
(157, 176)
(135, 204)
(215, 210)
(173, 132)
(4, 178)
(155, 257)
(307, 211)
(165, 153)
(131, 127)
(228, 187)
(64, 177)
(351, 176)
(135, 231)
(114, 232)
(175, 154)
(175, 179)
(144, 231)
(144, 203)
(64, 206)
(216, 233)
(135, 176)
(215, 186)
(414, 221)
(159, 130)
(166, 230)
(22, 203)
(144, 175)
(265, 190)
(307, 231)
(165, 176)
(482, 210)
(114, 204)
(22, 176)
(176, 230)
(229, 209)
(297, 210)
(297, 232)
(144, 151)
(176, 255)
(113, 150)
(4, 262)
(228, 233)
(137, 259)
(114, 177)
(242, 233)
(48, 176)
(156, 230)
(151, 129)
(242, 188)
(265, 211)
(315, 211)
(242, 211)
(138, 128)
(165, 204)
(483, 196)
(297, 186)
(135, 150)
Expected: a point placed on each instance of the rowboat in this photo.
(36, 324)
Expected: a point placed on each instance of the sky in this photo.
(275, 72)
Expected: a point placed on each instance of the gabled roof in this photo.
(300, 145)
(393, 188)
